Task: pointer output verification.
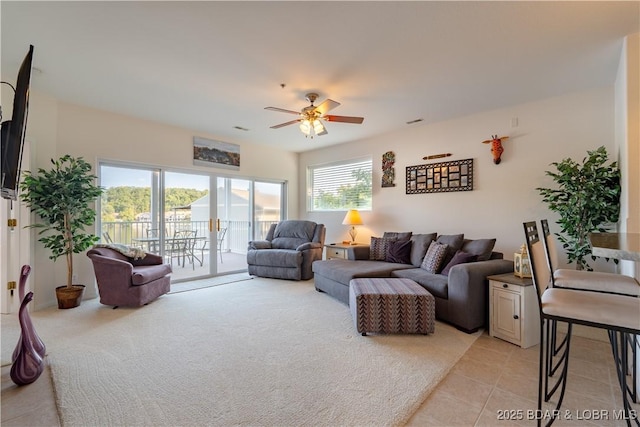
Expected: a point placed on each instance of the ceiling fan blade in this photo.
(282, 110)
(324, 132)
(344, 119)
(285, 124)
(327, 104)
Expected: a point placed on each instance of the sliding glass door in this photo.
(268, 204)
(175, 214)
(187, 218)
(233, 223)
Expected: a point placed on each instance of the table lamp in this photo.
(352, 218)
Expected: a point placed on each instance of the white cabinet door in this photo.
(506, 322)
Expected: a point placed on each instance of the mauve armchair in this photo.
(288, 250)
(128, 282)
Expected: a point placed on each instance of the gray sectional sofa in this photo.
(461, 295)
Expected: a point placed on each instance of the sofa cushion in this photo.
(399, 252)
(275, 257)
(482, 248)
(379, 248)
(419, 247)
(436, 284)
(144, 274)
(454, 241)
(343, 271)
(405, 235)
(291, 234)
(434, 257)
(460, 257)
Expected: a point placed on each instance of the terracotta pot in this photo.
(69, 297)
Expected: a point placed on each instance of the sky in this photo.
(121, 177)
(126, 176)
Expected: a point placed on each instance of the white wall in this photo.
(17, 245)
(59, 128)
(504, 195)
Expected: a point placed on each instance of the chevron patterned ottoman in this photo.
(391, 305)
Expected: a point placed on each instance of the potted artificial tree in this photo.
(61, 197)
(587, 199)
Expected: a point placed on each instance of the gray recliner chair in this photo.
(288, 250)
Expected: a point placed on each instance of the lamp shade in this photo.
(352, 218)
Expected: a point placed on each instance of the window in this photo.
(340, 186)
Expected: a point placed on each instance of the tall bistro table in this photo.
(621, 246)
(616, 245)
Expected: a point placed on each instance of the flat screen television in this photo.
(13, 132)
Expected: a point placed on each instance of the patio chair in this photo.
(182, 246)
(153, 245)
(221, 235)
(107, 238)
(176, 246)
(205, 245)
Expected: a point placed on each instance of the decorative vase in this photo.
(28, 364)
(69, 297)
(38, 345)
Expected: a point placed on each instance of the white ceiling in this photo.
(210, 66)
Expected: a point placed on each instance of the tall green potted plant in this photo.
(587, 199)
(61, 198)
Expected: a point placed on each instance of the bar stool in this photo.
(617, 314)
(610, 283)
(583, 280)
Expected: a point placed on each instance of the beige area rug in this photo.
(260, 352)
(207, 283)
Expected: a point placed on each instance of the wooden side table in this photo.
(336, 251)
(514, 314)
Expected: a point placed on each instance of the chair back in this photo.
(290, 234)
(98, 253)
(540, 273)
(550, 248)
(107, 237)
(153, 232)
(185, 239)
(220, 237)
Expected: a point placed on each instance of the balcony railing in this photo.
(236, 239)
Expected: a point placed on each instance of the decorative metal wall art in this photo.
(456, 175)
(436, 156)
(388, 172)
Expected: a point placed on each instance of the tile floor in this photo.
(491, 379)
(496, 383)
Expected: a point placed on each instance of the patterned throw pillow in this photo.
(379, 248)
(434, 257)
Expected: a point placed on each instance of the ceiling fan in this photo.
(311, 117)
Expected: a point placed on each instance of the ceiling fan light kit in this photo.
(311, 117)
